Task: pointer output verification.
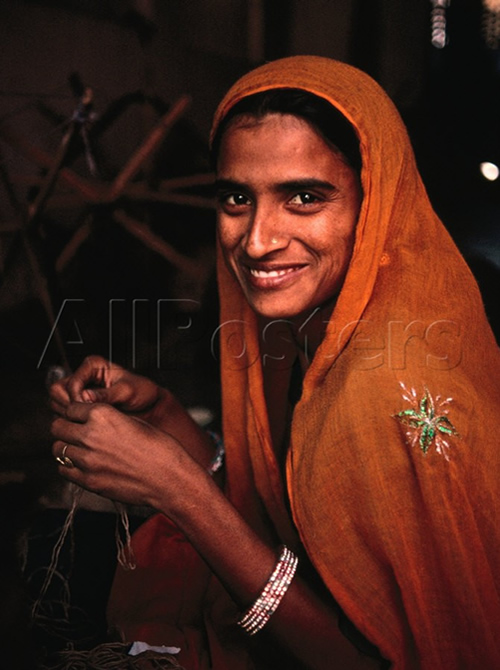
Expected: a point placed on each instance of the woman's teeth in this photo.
(270, 273)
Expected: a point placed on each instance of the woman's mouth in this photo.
(273, 277)
(270, 273)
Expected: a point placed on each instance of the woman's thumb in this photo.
(95, 395)
(116, 394)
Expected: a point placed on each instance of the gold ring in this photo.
(65, 460)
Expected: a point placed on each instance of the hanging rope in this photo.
(125, 554)
(56, 551)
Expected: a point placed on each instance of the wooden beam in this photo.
(148, 147)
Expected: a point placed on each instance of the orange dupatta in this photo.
(393, 465)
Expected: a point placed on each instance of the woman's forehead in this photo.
(249, 120)
(285, 125)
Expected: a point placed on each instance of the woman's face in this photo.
(287, 212)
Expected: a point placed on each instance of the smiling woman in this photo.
(288, 207)
(357, 412)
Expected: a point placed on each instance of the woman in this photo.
(360, 383)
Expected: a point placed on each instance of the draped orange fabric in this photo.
(393, 465)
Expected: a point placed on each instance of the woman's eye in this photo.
(234, 199)
(304, 199)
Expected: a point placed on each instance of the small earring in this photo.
(274, 240)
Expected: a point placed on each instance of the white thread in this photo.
(125, 554)
(56, 551)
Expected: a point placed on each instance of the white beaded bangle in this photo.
(257, 616)
(218, 460)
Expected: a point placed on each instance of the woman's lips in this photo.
(273, 277)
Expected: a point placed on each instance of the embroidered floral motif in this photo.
(427, 421)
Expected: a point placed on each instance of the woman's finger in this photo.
(91, 372)
(79, 412)
(58, 393)
(66, 455)
(58, 408)
(117, 394)
(69, 430)
(94, 371)
(59, 450)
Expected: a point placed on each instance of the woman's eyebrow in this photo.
(304, 184)
(289, 185)
(227, 185)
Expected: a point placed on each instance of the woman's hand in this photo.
(119, 456)
(99, 380)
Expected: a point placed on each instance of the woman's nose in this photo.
(264, 235)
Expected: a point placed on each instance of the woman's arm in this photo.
(127, 459)
(243, 563)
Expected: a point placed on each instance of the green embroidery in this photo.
(427, 421)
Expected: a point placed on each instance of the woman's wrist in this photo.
(185, 490)
(158, 408)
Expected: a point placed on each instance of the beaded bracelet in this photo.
(218, 460)
(257, 616)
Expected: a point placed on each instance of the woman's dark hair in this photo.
(318, 112)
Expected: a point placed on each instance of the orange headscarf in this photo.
(392, 470)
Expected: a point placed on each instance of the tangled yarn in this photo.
(113, 656)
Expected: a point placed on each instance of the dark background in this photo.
(139, 57)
